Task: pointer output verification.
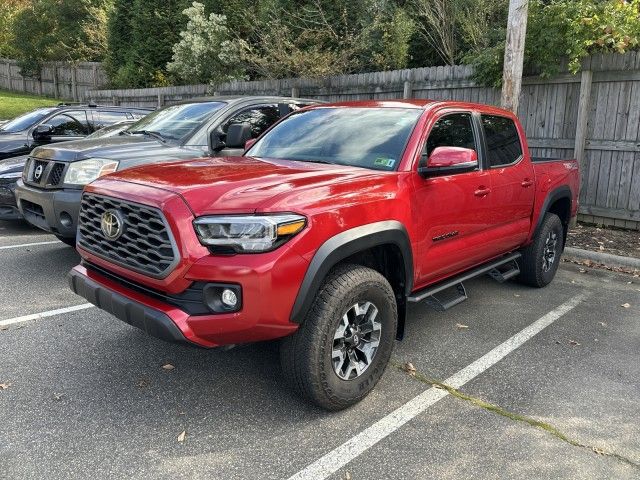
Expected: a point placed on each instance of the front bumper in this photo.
(154, 322)
(55, 211)
(8, 205)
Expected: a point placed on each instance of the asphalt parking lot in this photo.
(548, 388)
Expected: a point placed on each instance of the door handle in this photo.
(482, 192)
(526, 183)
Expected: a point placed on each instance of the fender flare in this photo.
(343, 245)
(561, 192)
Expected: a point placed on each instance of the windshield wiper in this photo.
(151, 133)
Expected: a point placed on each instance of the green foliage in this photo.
(73, 30)
(205, 52)
(141, 38)
(9, 9)
(565, 29)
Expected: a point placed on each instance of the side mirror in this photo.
(249, 143)
(216, 141)
(237, 135)
(449, 160)
(42, 132)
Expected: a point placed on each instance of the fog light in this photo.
(229, 298)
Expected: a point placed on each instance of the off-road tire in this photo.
(69, 241)
(531, 263)
(306, 355)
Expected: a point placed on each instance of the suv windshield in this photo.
(25, 121)
(177, 121)
(361, 137)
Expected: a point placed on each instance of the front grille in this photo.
(145, 245)
(56, 174)
(45, 173)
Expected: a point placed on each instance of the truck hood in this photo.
(130, 149)
(247, 184)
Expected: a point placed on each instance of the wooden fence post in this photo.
(160, 100)
(295, 92)
(56, 91)
(407, 91)
(583, 117)
(74, 83)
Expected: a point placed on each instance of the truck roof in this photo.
(417, 103)
(245, 98)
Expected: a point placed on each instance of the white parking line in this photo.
(6, 247)
(50, 313)
(345, 453)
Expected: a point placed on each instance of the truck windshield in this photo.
(25, 121)
(177, 121)
(372, 138)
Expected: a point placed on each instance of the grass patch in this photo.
(13, 104)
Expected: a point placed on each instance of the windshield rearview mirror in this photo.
(448, 160)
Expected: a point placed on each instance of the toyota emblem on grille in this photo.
(37, 173)
(111, 224)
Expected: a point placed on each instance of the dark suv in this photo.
(49, 125)
(49, 193)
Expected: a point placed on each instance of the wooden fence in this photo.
(57, 79)
(593, 116)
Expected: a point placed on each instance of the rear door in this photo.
(512, 182)
(452, 212)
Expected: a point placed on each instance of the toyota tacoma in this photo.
(322, 234)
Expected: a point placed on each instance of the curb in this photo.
(605, 258)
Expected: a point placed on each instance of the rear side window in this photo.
(454, 130)
(105, 118)
(503, 142)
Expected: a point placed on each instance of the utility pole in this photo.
(514, 54)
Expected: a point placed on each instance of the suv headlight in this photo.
(248, 234)
(86, 171)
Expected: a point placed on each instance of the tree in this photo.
(73, 30)
(9, 9)
(205, 52)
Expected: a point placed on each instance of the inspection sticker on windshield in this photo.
(384, 162)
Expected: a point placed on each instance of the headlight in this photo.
(86, 171)
(11, 175)
(246, 234)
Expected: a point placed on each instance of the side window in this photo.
(69, 124)
(454, 130)
(105, 118)
(260, 118)
(503, 142)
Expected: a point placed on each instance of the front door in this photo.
(452, 212)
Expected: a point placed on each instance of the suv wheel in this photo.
(342, 349)
(540, 259)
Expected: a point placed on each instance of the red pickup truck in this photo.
(323, 233)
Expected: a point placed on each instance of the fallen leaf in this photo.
(582, 270)
(168, 366)
(142, 383)
(573, 343)
(573, 281)
(435, 385)
(601, 247)
(625, 305)
(516, 294)
(599, 451)
(461, 326)
(604, 324)
(4, 327)
(409, 368)
(4, 386)
(58, 396)
(347, 476)
(182, 436)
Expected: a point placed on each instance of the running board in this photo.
(429, 292)
(504, 272)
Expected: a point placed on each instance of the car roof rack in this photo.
(71, 104)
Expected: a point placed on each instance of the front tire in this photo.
(342, 349)
(540, 260)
